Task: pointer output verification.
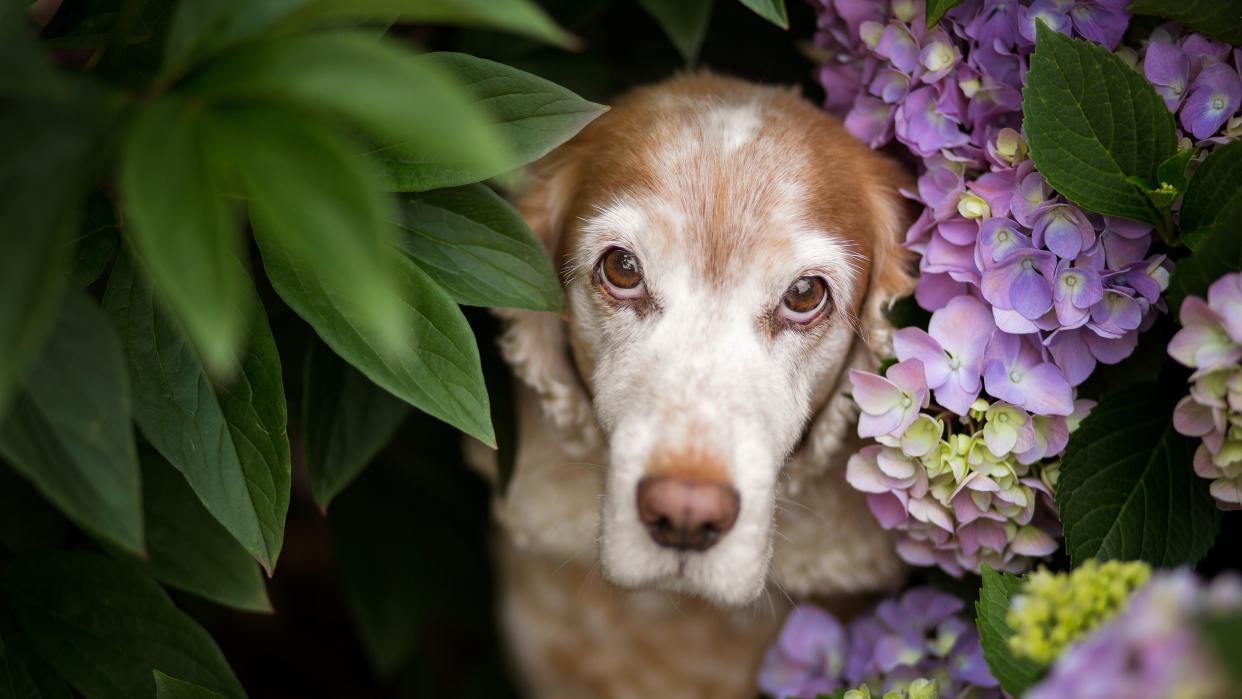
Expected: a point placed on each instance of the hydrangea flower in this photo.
(1055, 610)
(922, 688)
(1210, 342)
(919, 643)
(1065, 289)
(1150, 649)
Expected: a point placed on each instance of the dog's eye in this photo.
(621, 274)
(804, 299)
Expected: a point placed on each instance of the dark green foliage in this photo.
(1014, 674)
(1216, 18)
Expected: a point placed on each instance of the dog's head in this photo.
(723, 247)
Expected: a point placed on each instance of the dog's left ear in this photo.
(892, 265)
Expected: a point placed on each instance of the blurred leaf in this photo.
(1214, 196)
(96, 242)
(348, 420)
(439, 370)
(22, 674)
(1223, 633)
(382, 86)
(1218, 253)
(532, 115)
(201, 28)
(771, 10)
(185, 231)
(518, 16)
(68, 431)
(684, 21)
(1014, 674)
(172, 688)
(1127, 490)
(1092, 122)
(937, 8)
(187, 547)
(1173, 169)
(88, 24)
(230, 444)
(313, 199)
(27, 521)
(1220, 19)
(104, 626)
(475, 246)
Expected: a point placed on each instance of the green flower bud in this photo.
(923, 689)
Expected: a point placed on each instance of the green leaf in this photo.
(685, 23)
(1127, 489)
(104, 626)
(1222, 631)
(1014, 674)
(229, 444)
(187, 547)
(22, 674)
(1092, 122)
(96, 241)
(172, 688)
(201, 29)
(475, 246)
(68, 431)
(1173, 169)
(439, 372)
(937, 8)
(1214, 196)
(517, 16)
(315, 200)
(348, 420)
(771, 10)
(27, 521)
(532, 116)
(383, 87)
(1215, 18)
(184, 229)
(1219, 253)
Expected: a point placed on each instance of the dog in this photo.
(727, 253)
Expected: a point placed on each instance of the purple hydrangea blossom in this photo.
(923, 634)
(1210, 342)
(1149, 650)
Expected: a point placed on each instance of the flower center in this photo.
(954, 363)
(905, 401)
(1002, 236)
(1218, 102)
(939, 57)
(1071, 281)
(1028, 264)
(1015, 376)
(1002, 418)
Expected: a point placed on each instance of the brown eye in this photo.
(804, 299)
(621, 274)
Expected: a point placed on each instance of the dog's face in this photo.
(718, 242)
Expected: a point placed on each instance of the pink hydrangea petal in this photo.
(1033, 541)
(887, 509)
(864, 474)
(916, 552)
(1192, 418)
(913, 343)
(876, 395)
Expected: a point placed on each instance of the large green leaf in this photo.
(1014, 674)
(1214, 196)
(185, 230)
(172, 688)
(1127, 489)
(230, 445)
(684, 22)
(1216, 18)
(312, 198)
(201, 29)
(1218, 253)
(69, 432)
(96, 241)
(439, 372)
(533, 116)
(348, 420)
(1093, 122)
(518, 16)
(771, 10)
(187, 547)
(381, 86)
(472, 242)
(104, 626)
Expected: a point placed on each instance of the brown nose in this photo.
(684, 514)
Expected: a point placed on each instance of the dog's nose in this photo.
(683, 514)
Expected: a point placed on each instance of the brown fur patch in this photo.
(688, 464)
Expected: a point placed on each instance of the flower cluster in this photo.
(1150, 649)
(958, 492)
(1054, 611)
(921, 688)
(1066, 289)
(923, 635)
(1199, 80)
(1210, 342)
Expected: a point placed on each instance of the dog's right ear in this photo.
(536, 343)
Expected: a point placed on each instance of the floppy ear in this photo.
(535, 343)
(892, 265)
